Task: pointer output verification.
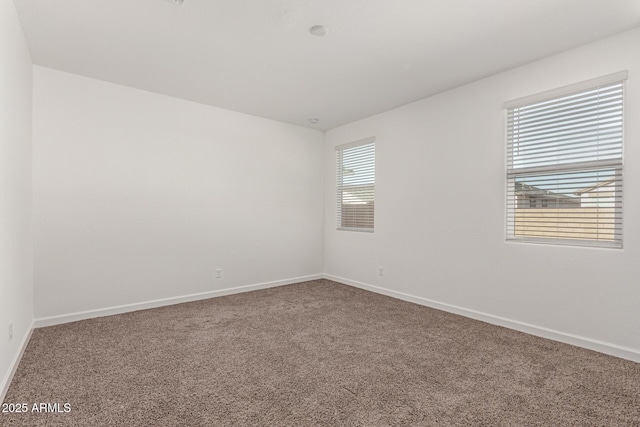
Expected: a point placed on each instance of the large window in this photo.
(356, 178)
(564, 165)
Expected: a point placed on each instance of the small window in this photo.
(356, 178)
(564, 148)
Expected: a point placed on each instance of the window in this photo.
(564, 165)
(356, 178)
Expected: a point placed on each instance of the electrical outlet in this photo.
(10, 331)
(218, 273)
(380, 271)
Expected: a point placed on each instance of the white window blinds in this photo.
(564, 165)
(356, 178)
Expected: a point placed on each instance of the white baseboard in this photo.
(567, 338)
(109, 311)
(6, 381)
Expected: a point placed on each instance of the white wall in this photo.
(139, 197)
(440, 212)
(16, 284)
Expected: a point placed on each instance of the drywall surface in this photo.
(140, 197)
(440, 208)
(16, 284)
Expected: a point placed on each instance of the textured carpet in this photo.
(314, 353)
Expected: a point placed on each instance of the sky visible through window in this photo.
(568, 183)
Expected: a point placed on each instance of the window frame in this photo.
(566, 167)
(361, 218)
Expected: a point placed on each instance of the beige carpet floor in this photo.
(314, 353)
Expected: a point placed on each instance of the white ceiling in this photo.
(258, 57)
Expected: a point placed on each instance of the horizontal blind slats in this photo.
(356, 185)
(603, 124)
(564, 168)
(604, 94)
(609, 151)
(577, 88)
(561, 137)
(590, 142)
(565, 113)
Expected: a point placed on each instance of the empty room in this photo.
(305, 212)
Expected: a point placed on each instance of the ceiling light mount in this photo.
(318, 30)
(313, 121)
(176, 2)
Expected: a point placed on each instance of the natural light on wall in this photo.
(356, 178)
(564, 165)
